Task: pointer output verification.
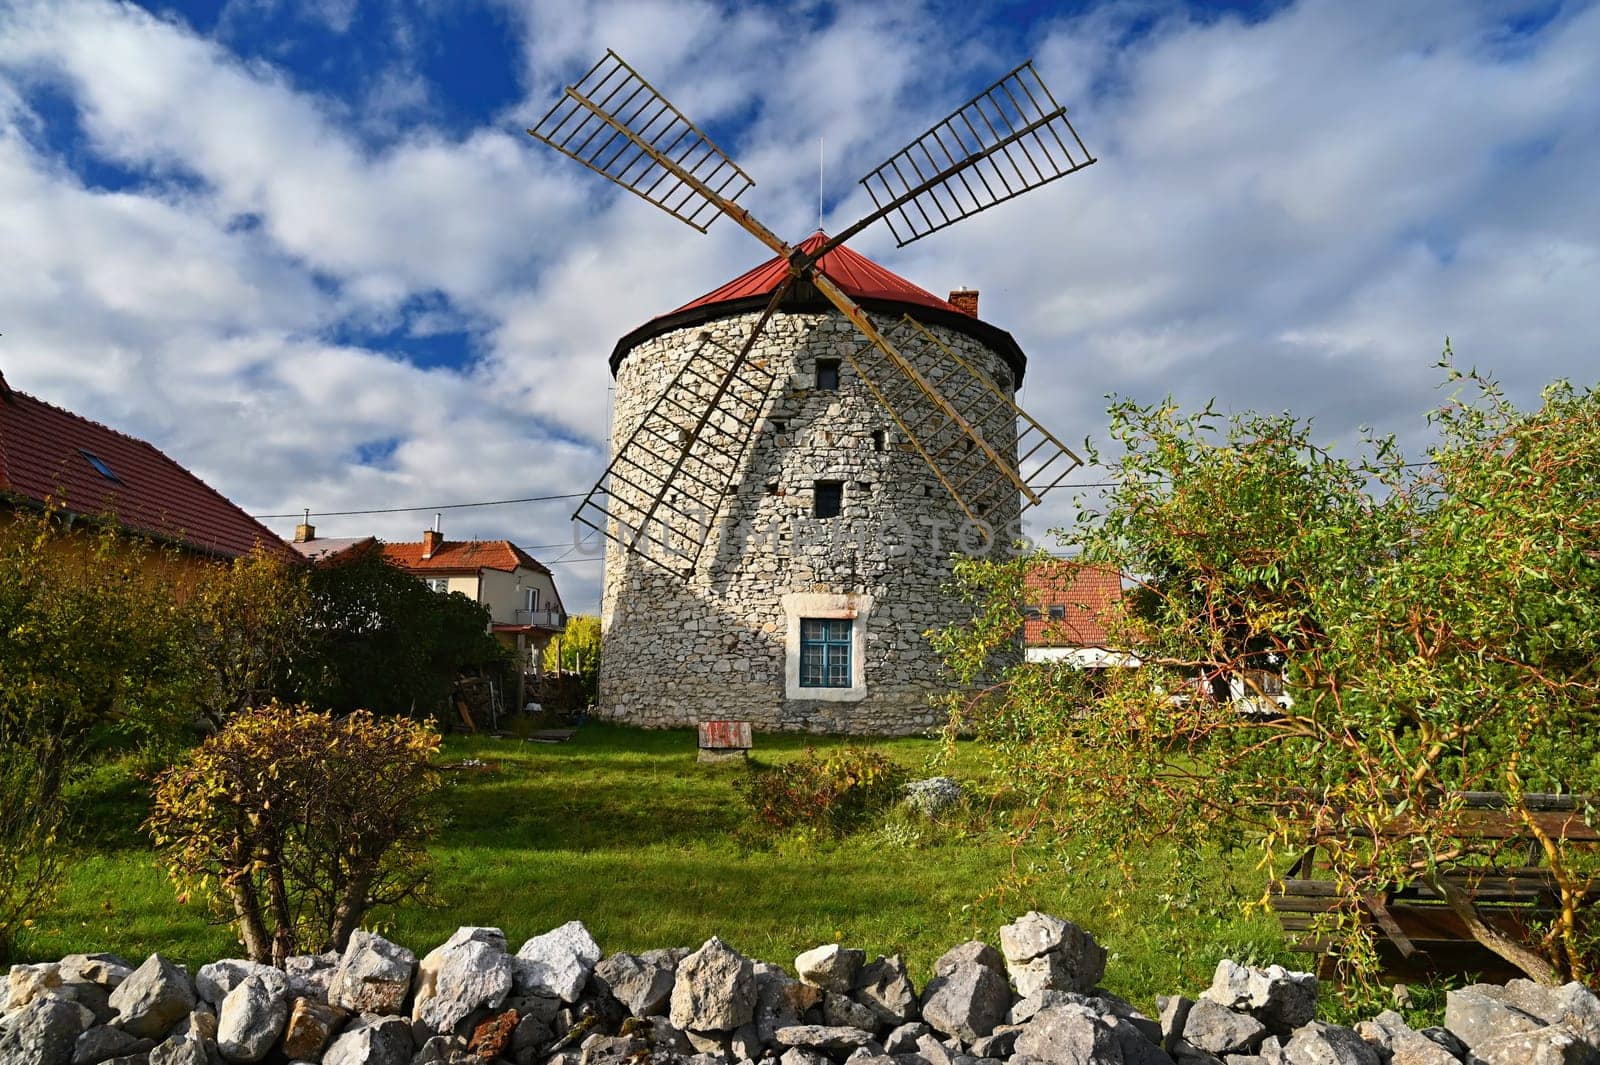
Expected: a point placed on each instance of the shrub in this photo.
(295, 823)
(836, 794)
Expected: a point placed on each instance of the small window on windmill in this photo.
(828, 375)
(773, 489)
(927, 492)
(1002, 379)
(779, 425)
(827, 499)
(880, 439)
(966, 446)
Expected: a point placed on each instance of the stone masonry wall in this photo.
(718, 646)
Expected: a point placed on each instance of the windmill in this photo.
(669, 479)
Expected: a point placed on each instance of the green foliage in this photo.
(251, 631)
(834, 794)
(576, 651)
(293, 824)
(1439, 624)
(92, 654)
(385, 642)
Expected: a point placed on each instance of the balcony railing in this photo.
(542, 619)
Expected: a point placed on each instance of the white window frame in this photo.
(437, 584)
(799, 606)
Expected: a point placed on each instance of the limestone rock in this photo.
(557, 963)
(310, 1025)
(374, 975)
(972, 952)
(25, 983)
(1023, 1009)
(185, 1050)
(253, 1015)
(823, 1037)
(386, 1041)
(715, 990)
(885, 988)
(1479, 1013)
(1067, 1035)
(844, 1011)
(311, 974)
(903, 1040)
(1280, 998)
(1174, 1015)
(104, 970)
(102, 1043)
(803, 1056)
(1414, 1048)
(642, 983)
(1219, 1030)
(153, 998)
(830, 967)
(465, 976)
(1553, 1045)
(1572, 1005)
(967, 1001)
(1328, 1044)
(932, 796)
(44, 1032)
(213, 981)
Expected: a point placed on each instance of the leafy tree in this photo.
(93, 653)
(294, 824)
(253, 637)
(385, 642)
(1440, 623)
(577, 649)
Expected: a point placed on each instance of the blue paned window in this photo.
(825, 653)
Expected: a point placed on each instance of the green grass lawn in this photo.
(622, 829)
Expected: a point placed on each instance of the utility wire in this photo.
(436, 506)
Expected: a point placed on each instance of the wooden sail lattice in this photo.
(669, 479)
(672, 475)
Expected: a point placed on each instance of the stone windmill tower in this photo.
(797, 454)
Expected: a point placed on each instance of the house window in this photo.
(827, 499)
(533, 599)
(828, 375)
(880, 439)
(1057, 612)
(437, 584)
(99, 465)
(825, 653)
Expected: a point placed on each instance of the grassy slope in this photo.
(622, 829)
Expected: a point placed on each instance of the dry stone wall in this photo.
(560, 1000)
(724, 644)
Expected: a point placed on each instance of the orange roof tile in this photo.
(51, 454)
(1090, 595)
(462, 556)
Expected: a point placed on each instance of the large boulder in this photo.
(885, 988)
(25, 983)
(1068, 1035)
(102, 1043)
(824, 1037)
(104, 970)
(1397, 1041)
(966, 1002)
(715, 990)
(1044, 952)
(310, 975)
(44, 1032)
(1327, 1044)
(1553, 1045)
(641, 982)
(374, 975)
(1480, 1012)
(154, 997)
(213, 981)
(185, 1049)
(253, 1015)
(1279, 998)
(310, 1026)
(1219, 1030)
(830, 967)
(1572, 1005)
(385, 1041)
(462, 977)
(557, 963)
(972, 952)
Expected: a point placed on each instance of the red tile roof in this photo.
(1090, 595)
(462, 556)
(875, 287)
(859, 276)
(50, 454)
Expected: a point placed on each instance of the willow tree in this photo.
(1438, 623)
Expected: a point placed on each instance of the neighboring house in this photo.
(321, 550)
(1068, 609)
(52, 457)
(525, 609)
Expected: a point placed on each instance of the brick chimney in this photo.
(965, 300)
(305, 531)
(432, 540)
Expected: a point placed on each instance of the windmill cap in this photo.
(875, 287)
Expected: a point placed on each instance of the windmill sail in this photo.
(616, 124)
(664, 488)
(961, 423)
(1009, 139)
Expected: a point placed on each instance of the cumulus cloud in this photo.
(1291, 210)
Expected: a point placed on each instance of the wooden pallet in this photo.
(1420, 935)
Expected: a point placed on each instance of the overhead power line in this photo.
(434, 506)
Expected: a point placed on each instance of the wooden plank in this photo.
(1386, 922)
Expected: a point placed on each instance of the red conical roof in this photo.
(857, 275)
(878, 290)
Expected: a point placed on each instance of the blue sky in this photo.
(306, 248)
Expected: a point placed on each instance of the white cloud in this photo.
(1289, 211)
